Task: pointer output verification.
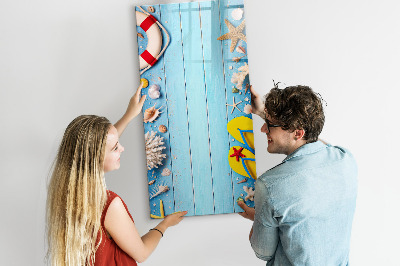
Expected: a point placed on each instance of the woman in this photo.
(87, 224)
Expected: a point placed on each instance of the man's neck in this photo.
(296, 146)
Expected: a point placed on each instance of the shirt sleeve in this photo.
(264, 239)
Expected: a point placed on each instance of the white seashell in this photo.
(154, 94)
(166, 172)
(237, 14)
(247, 109)
(154, 87)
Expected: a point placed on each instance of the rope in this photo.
(165, 47)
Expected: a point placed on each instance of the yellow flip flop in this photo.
(242, 159)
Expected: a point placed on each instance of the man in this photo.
(304, 206)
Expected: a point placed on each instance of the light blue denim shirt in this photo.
(305, 207)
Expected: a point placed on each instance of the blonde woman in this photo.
(87, 224)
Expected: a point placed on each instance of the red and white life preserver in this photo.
(154, 39)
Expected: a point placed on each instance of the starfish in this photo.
(235, 33)
(237, 153)
(234, 105)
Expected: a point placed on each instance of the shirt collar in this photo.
(306, 149)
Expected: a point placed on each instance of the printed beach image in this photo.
(197, 115)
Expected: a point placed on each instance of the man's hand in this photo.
(257, 104)
(248, 212)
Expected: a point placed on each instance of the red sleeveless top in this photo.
(109, 253)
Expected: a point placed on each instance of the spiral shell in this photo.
(151, 114)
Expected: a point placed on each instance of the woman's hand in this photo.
(257, 105)
(134, 108)
(135, 104)
(174, 219)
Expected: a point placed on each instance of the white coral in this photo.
(250, 193)
(238, 78)
(154, 147)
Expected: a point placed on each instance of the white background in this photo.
(60, 59)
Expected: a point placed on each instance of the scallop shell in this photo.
(144, 82)
(151, 114)
(237, 14)
(166, 172)
(162, 128)
(247, 109)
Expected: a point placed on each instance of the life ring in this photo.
(154, 39)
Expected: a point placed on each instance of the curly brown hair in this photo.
(297, 107)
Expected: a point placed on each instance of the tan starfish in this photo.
(234, 34)
(234, 105)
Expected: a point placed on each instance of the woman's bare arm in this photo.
(122, 229)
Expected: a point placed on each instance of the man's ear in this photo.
(299, 134)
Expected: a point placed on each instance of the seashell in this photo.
(250, 193)
(154, 87)
(241, 49)
(242, 181)
(150, 9)
(236, 59)
(237, 14)
(154, 94)
(247, 109)
(154, 147)
(162, 128)
(151, 114)
(161, 189)
(144, 82)
(166, 172)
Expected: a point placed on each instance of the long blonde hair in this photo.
(77, 193)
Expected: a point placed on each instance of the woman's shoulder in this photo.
(116, 202)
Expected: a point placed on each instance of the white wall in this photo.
(60, 59)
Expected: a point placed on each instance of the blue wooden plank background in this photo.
(194, 76)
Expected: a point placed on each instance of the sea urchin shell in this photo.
(162, 128)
